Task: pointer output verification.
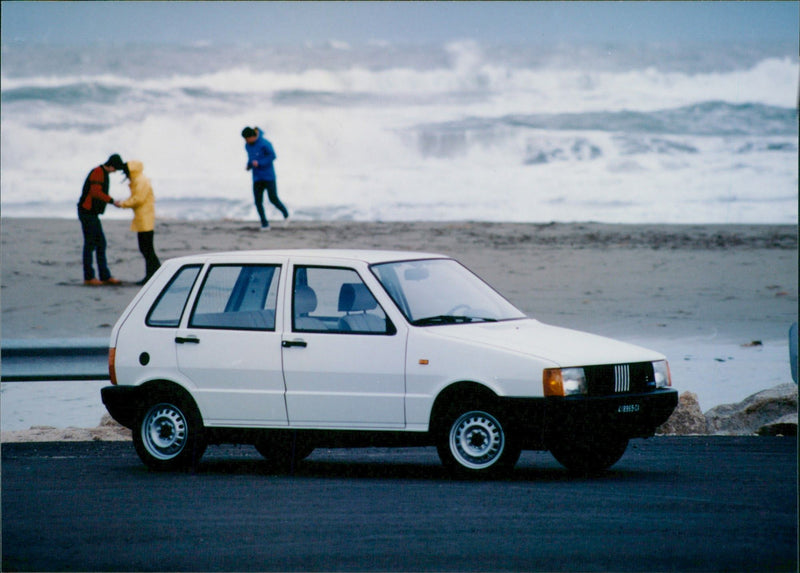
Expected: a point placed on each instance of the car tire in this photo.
(473, 441)
(169, 435)
(589, 456)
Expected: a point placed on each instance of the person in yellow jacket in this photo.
(143, 203)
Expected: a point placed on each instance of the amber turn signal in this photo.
(553, 382)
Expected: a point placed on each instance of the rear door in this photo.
(344, 360)
(231, 345)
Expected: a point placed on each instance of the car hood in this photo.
(562, 346)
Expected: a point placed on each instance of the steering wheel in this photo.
(453, 310)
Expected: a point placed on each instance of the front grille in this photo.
(622, 378)
(610, 379)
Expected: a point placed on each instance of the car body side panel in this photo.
(237, 376)
(144, 354)
(345, 380)
(435, 362)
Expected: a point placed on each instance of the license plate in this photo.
(628, 408)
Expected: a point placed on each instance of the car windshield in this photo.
(442, 291)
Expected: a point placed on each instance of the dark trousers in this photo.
(149, 253)
(94, 243)
(272, 192)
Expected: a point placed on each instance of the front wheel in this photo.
(474, 442)
(169, 435)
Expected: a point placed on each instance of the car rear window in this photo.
(168, 308)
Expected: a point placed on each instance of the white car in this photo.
(297, 349)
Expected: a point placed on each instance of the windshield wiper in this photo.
(449, 319)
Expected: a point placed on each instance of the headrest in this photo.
(305, 300)
(354, 297)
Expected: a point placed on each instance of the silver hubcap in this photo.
(164, 431)
(476, 440)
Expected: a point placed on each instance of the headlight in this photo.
(564, 382)
(661, 371)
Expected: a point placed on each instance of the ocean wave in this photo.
(546, 138)
(69, 94)
(771, 82)
(716, 118)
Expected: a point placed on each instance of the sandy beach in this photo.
(717, 299)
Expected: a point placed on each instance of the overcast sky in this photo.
(358, 22)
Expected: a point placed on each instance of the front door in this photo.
(343, 359)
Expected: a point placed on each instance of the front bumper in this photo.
(624, 415)
(540, 421)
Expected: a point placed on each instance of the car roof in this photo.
(365, 255)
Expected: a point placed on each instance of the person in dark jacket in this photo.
(91, 205)
(260, 156)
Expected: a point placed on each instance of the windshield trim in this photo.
(473, 322)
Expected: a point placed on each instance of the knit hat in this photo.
(248, 132)
(116, 162)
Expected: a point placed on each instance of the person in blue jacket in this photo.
(260, 156)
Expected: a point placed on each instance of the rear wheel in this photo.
(472, 441)
(169, 434)
(587, 456)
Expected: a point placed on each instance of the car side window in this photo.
(237, 297)
(335, 300)
(168, 308)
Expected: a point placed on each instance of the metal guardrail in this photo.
(53, 359)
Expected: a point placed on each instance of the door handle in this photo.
(190, 339)
(290, 343)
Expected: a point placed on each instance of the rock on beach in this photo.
(687, 419)
(754, 415)
(768, 413)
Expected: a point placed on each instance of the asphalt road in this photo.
(670, 504)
